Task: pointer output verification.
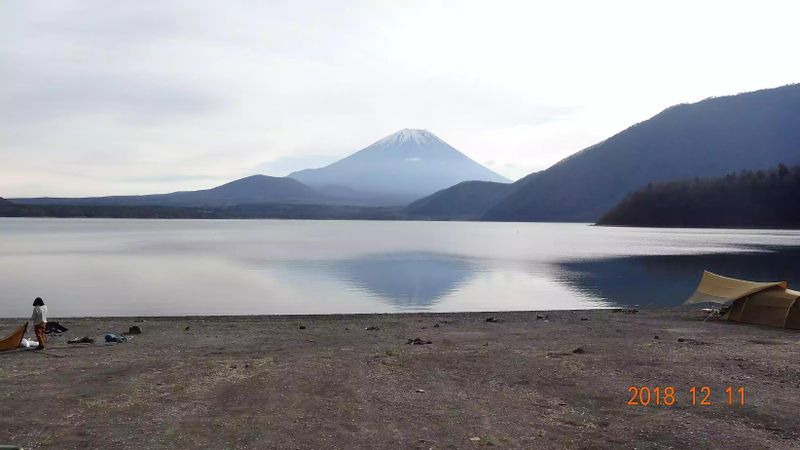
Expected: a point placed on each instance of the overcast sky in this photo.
(101, 97)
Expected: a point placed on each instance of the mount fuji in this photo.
(404, 166)
(394, 171)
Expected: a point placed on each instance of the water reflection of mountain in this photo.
(669, 280)
(408, 280)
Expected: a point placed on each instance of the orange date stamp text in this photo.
(695, 396)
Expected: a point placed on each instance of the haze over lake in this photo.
(95, 267)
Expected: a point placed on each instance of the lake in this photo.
(116, 267)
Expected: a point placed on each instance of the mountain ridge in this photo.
(753, 130)
(251, 189)
(467, 200)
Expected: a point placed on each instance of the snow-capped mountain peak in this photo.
(405, 136)
(408, 164)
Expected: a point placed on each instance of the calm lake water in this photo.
(88, 267)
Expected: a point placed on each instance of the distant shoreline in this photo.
(245, 211)
(380, 216)
(293, 316)
(698, 227)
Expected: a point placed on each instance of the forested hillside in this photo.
(764, 199)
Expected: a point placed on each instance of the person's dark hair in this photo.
(38, 302)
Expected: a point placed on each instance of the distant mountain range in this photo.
(750, 131)
(408, 164)
(391, 172)
(756, 130)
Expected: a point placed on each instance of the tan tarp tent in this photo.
(771, 303)
(13, 340)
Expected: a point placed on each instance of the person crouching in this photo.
(39, 319)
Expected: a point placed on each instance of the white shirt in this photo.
(39, 315)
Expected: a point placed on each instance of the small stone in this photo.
(475, 439)
(436, 325)
(302, 327)
(420, 391)
(134, 330)
(584, 318)
(655, 337)
(187, 328)
(578, 350)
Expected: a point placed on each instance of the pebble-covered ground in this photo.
(520, 380)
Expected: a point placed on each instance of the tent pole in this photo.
(788, 311)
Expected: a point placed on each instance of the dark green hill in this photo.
(710, 138)
(465, 201)
(748, 199)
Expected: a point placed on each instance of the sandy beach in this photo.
(521, 380)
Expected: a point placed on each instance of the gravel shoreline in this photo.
(553, 379)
